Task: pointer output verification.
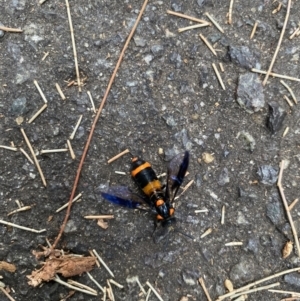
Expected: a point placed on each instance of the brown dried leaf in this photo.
(101, 223)
(7, 266)
(287, 249)
(67, 266)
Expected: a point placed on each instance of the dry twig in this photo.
(246, 287)
(202, 283)
(253, 30)
(290, 90)
(95, 122)
(40, 91)
(95, 281)
(154, 291)
(63, 97)
(276, 75)
(34, 157)
(76, 127)
(230, 12)
(214, 22)
(37, 113)
(192, 27)
(208, 44)
(126, 151)
(170, 12)
(9, 148)
(73, 45)
(279, 42)
(8, 29)
(7, 294)
(218, 76)
(286, 206)
(21, 227)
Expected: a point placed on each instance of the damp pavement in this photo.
(166, 96)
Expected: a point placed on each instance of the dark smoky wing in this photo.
(176, 171)
(123, 196)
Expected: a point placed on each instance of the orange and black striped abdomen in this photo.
(145, 177)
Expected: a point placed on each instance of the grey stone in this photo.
(250, 93)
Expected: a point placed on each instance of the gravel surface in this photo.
(166, 95)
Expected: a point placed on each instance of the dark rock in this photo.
(244, 271)
(244, 56)
(223, 177)
(190, 277)
(250, 93)
(276, 117)
(157, 50)
(18, 106)
(253, 245)
(176, 59)
(274, 210)
(293, 279)
(267, 174)
(176, 5)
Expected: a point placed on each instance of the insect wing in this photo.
(123, 196)
(176, 171)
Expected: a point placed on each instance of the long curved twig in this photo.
(94, 124)
(279, 42)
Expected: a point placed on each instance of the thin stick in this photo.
(257, 289)
(25, 208)
(286, 206)
(170, 12)
(290, 90)
(58, 280)
(141, 287)
(148, 294)
(76, 127)
(218, 76)
(126, 151)
(288, 101)
(78, 284)
(277, 9)
(201, 281)
(34, 157)
(95, 281)
(279, 42)
(188, 185)
(71, 150)
(154, 291)
(99, 216)
(201, 211)
(221, 67)
(223, 216)
(21, 227)
(234, 243)
(40, 91)
(26, 155)
(7, 294)
(241, 289)
(230, 12)
(192, 27)
(37, 113)
(9, 148)
(207, 232)
(116, 283)
(92, 102)
(104, 264)
(285, 132)
(294, 33)
(9, 29)
(45, 55)
(104, 294)
(120, 172)
(276, 75)
(95, 122)
(214, 22)
(292, 205)
(63, 97)
(111, 293)
(295, 294)
(208, 44)
(57, 150)
(253, 30)
(73, 45)
(66, 205)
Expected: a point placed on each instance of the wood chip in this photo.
(208, 44)
(287, 249)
